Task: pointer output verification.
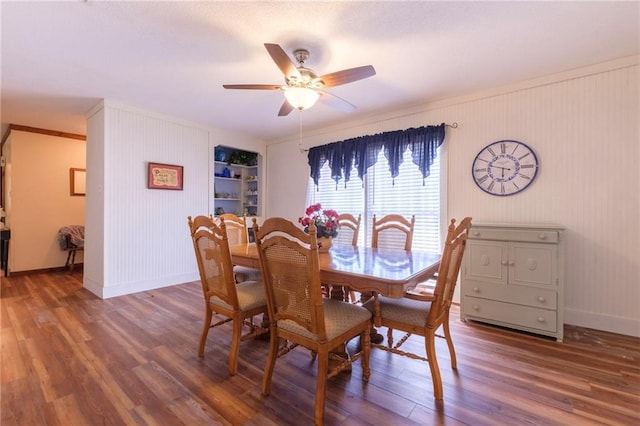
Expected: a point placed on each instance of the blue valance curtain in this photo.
(362, 152)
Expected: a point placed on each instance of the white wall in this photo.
(138, 238)
(584, 128)
(39, 201)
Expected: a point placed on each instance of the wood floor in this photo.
(69, 358)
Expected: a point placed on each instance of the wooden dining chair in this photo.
(424, 314)
(348, 229)
(238, 302)
(298, 313)
(238, 235)
(392, 231)
(348, 233)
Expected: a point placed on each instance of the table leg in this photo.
(338, 292)
(376, 337)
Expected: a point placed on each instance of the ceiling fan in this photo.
(303, 86)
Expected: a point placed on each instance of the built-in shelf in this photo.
(236, 188)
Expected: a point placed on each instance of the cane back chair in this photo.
(298, 313)
(348, 232)
(238, 235)
(424, 314)
(393, 231)
(237, 302)
(348, 229)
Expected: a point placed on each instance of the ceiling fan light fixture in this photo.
(303, 87)
(301, 97)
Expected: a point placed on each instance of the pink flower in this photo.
(325, 220)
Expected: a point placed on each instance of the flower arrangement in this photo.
(325, 221)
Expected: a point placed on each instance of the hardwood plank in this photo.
(133, 359)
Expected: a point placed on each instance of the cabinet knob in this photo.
(540, 319)
(542, 236)
(476, 307)
(504, 262)
(476, 289)
(511, 262)
(475, 233)
(541, 299)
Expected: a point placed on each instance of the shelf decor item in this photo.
(243, 158)
(221, 154)
(164, 176)
(325, 221)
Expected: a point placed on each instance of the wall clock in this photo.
(505, 167)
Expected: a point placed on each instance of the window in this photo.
(379, 194)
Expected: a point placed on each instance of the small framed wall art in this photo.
(78, 181)
(164, 176)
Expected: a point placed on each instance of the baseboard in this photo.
(77, 268)
(610, 323)
(106, 292)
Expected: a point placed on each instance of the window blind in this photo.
(380, 194)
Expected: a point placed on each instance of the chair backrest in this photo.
(214, 259)
(448, 272)
(392, 231)
(348, 229)
(236, 228)
(291, 272)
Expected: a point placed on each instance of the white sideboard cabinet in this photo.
(513, 276)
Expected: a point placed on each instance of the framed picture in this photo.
(164, 176)
(78, 181)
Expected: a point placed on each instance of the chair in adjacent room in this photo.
(239, 302)
(424, 313)
(298, 313)
(71, 240)
(237, 234)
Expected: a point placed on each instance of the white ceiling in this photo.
(60, 58)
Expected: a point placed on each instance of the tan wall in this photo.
(39, 199)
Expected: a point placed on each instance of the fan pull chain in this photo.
(302, 150)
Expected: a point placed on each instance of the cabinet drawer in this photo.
(537, 236)
(510, 314)
(528, 296)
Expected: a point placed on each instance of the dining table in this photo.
(389, 272)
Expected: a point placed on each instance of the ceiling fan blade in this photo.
(347, 76)
(285, 109)
(336, 102)
(282, 60)
(252, 86)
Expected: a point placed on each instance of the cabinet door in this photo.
(533, 264)
(486, 261)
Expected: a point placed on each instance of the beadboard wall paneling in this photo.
(585, 131)
(93, 274)
(584, 128)
(140, 238)
(146, 238)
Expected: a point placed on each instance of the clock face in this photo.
(505, 167)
